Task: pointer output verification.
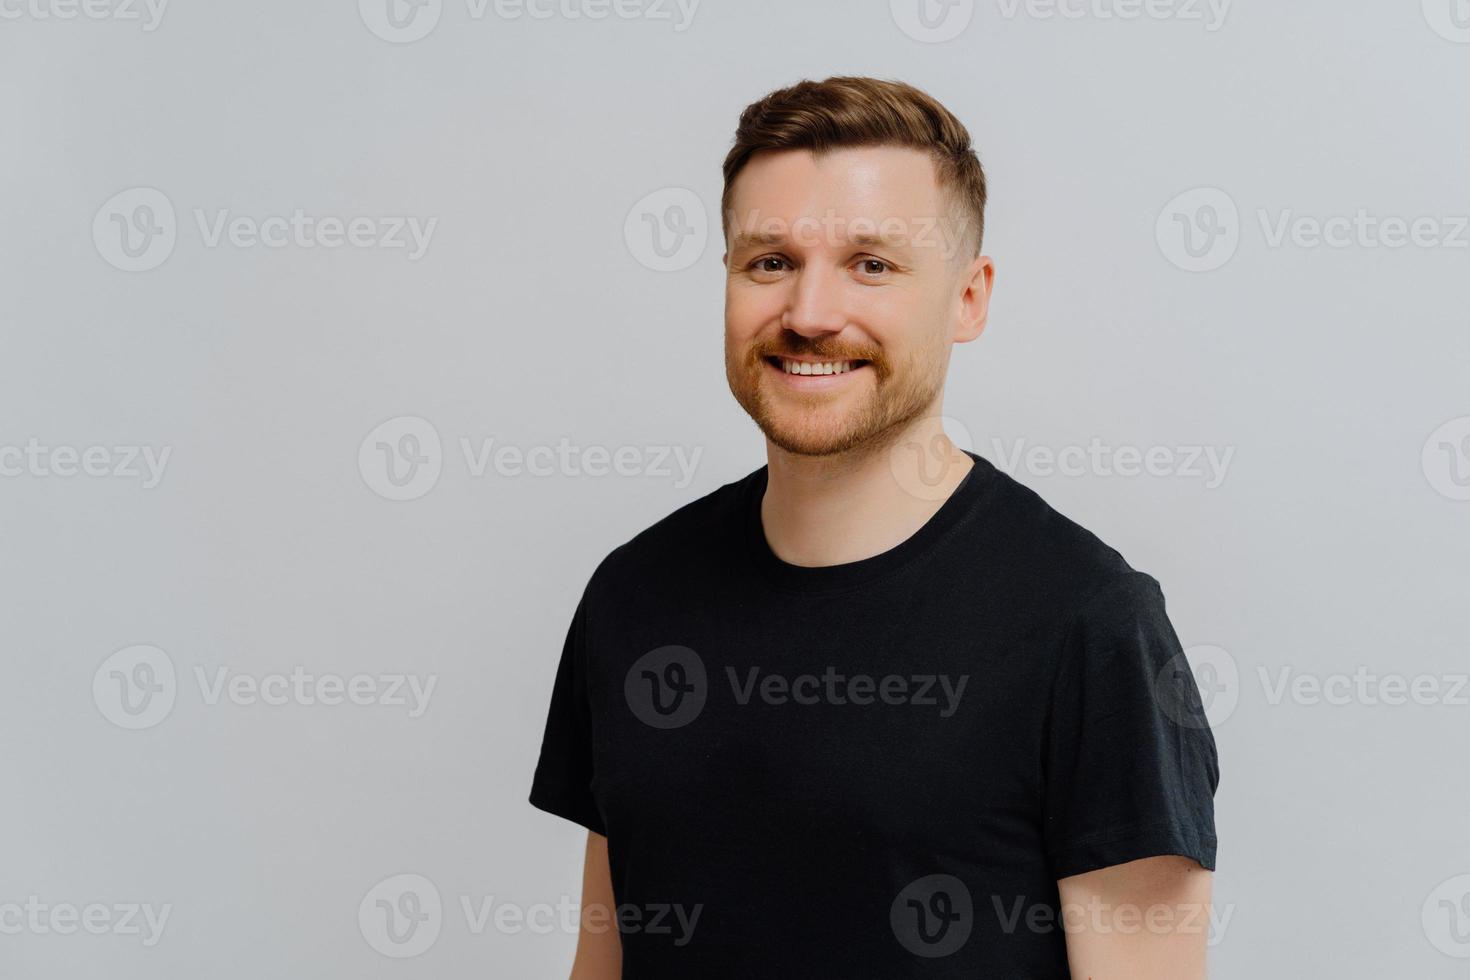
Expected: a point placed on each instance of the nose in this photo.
(815, 306)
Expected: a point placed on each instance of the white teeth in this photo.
(821, 367)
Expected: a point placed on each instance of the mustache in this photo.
(808, 347)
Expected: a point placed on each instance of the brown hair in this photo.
(848, 111)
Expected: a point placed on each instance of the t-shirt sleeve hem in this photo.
(1131, 844)
(561, 801)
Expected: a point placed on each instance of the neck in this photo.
(830, 510)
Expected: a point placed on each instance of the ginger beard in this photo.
(819, 423)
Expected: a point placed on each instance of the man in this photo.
(875, 710)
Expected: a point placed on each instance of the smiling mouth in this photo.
(790, 366)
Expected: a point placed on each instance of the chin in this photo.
(812, 437)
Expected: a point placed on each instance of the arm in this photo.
(1144, 920)
(599, 950)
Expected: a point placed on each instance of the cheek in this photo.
(750, 311)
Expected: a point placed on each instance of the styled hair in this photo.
(851, 111)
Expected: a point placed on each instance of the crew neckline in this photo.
(783, 575)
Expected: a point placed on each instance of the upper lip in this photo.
(815, 360)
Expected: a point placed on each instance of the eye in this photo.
(762, 264)
(867, 264)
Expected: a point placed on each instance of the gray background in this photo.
(1337, 376)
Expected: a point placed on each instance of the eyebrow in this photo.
(766, 239)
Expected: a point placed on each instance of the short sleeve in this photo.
(562, 784)
(1130, 766)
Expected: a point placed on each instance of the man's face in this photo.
(850, 270)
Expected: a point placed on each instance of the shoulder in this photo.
(1053, 556)
(683, 539)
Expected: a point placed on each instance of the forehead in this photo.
(868, 181)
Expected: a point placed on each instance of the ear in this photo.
(976, 282)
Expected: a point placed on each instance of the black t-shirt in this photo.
(877, 769)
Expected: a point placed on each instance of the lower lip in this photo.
(814, 382)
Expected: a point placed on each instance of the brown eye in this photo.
(869, 263)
